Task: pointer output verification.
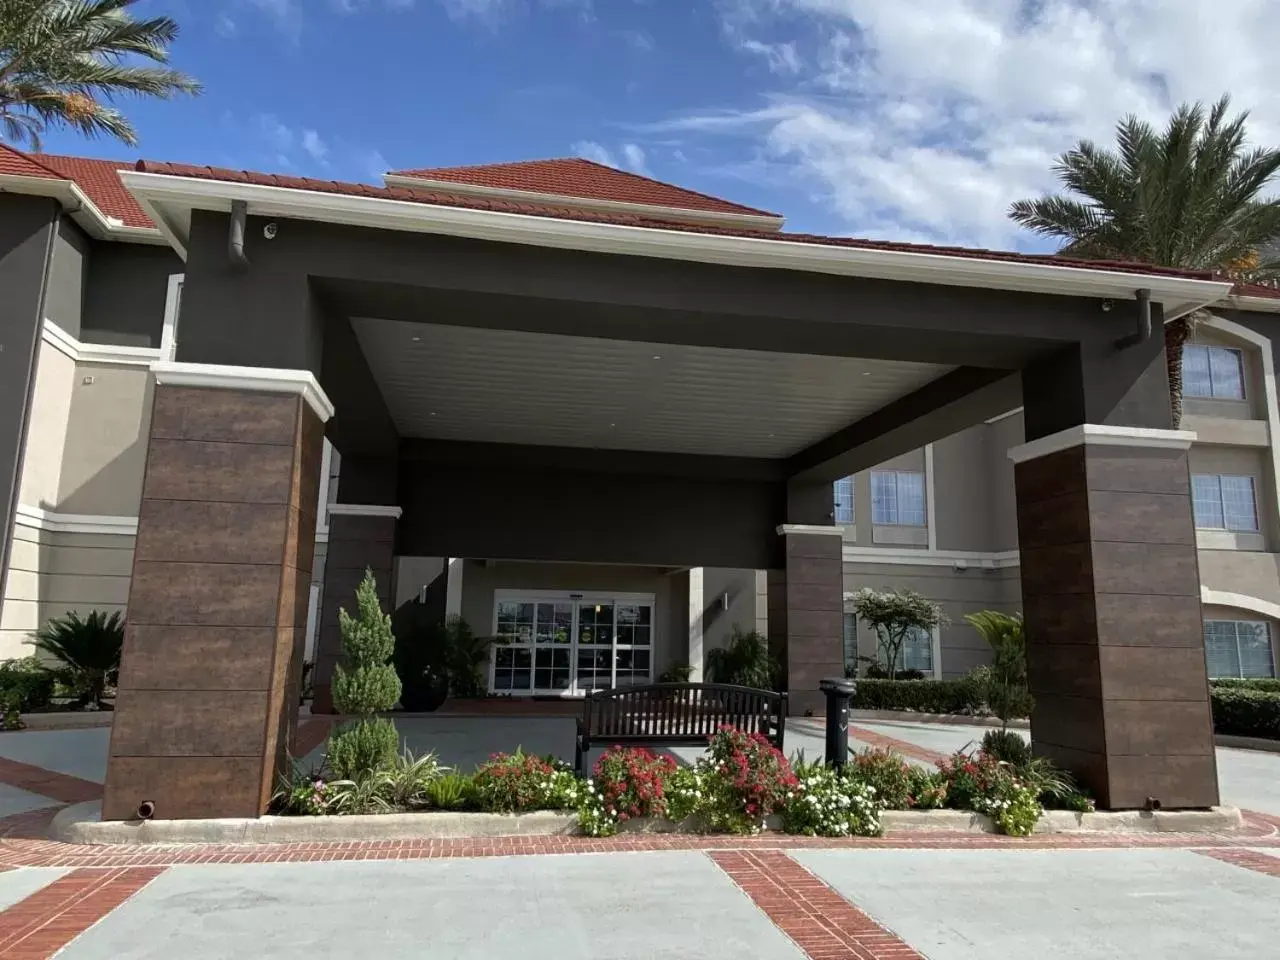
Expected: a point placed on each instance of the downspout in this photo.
(235, 233)
(1143, 330)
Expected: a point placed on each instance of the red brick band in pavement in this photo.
(818, 920)
(39, 926)
(904, 747)
(1249, 859)
(47, 783)
(310, 734)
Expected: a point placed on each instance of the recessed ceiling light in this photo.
(417, 339)
(657, 356)
(433, 413)
(866, 373)
(613, 424)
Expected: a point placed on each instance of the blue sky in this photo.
(867, 117)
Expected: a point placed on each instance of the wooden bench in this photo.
(676, 714)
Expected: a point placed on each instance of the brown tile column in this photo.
(1111, 594)
(808, 598)
(218, 602)
(361, 537)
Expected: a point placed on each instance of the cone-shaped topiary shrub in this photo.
(364, 684)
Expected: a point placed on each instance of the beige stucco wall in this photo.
(51, 573)
(746, 609)
(106, 446)
(47, 429)
(1243, 462)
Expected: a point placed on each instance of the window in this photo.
(1224, 503)
(916, 652)
(844, 500)
(1216, 372)
(1238, 648)
(897, 498)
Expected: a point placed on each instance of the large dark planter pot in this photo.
(427, 695)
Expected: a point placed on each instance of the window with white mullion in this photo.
(1224, 503)
(898, 498)
(1212, 372)
(1238, 649)
(843, 493)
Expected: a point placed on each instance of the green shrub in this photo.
(359, 749)
(28, 681)
(1267, 684)
(888, 775)
(877, 671)
(981, 783)
(404, 782)
(747, 778)
(684, 792)
(1245, 712)
(514, 782)
(746, 662)
(894, 615)
(1008, 746)
(86, 652)
(450, 791)
(922, 696)
(676, 673)
(364, 684)
(928, 789)
(1006, 690)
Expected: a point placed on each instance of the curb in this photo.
(66, 720)
(1246, 743)
(80, 824)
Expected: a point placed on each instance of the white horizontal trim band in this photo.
(153, 190)
(259, 379)
(82, 352)
(957, 559)
(1102, 435)
(1240, 601)
(364, 510)
(810, 529)
(39, 519)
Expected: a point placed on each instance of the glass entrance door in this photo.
(552, 646)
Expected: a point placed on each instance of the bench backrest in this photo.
(682, 712)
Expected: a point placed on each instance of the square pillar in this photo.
(1111, 596)
(217, 612)
(361, 537)
(808, 600)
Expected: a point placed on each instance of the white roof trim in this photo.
(1102, 435)
(365, 510)
(83, 210)
(749, 221)
(38, 519)
(957, 559)
(1240, 601)
(1255, 304)
(810, 529)
(260, 379)
(1179, 294)
(82, 352)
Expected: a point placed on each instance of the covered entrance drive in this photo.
(570, 644)
(534, 385)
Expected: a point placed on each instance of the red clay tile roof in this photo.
(1268, 290)
(100, 180)
(15, 163)
(502, 205)
(575, 177)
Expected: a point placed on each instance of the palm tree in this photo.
(63, 62)
(1189, 196)
(86, 653)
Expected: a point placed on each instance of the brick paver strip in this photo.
(310, 734)
(1249, 859)
(818, 920)
(904, 747)
(48, 783)
(39, 926)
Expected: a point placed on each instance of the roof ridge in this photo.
(664, 183)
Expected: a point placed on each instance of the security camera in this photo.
(270, 231)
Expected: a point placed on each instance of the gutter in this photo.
(1179, 294)
(83, 210)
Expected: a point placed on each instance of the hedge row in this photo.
(24, 680)
(922, 696)
(1256, 683)
(1245, 712)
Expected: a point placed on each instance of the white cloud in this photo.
(633, 155)
(315, 146)
(930, 123)
(590, 150)
(276, 134)
(224, 26)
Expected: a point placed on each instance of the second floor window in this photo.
(897, 498)
(1224, 503)
(1216, 372)
(844, 500)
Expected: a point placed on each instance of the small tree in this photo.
(1007, 693)
(364, 684)
(894, 615)
(746, 661)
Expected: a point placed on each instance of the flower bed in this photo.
(743, 784)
